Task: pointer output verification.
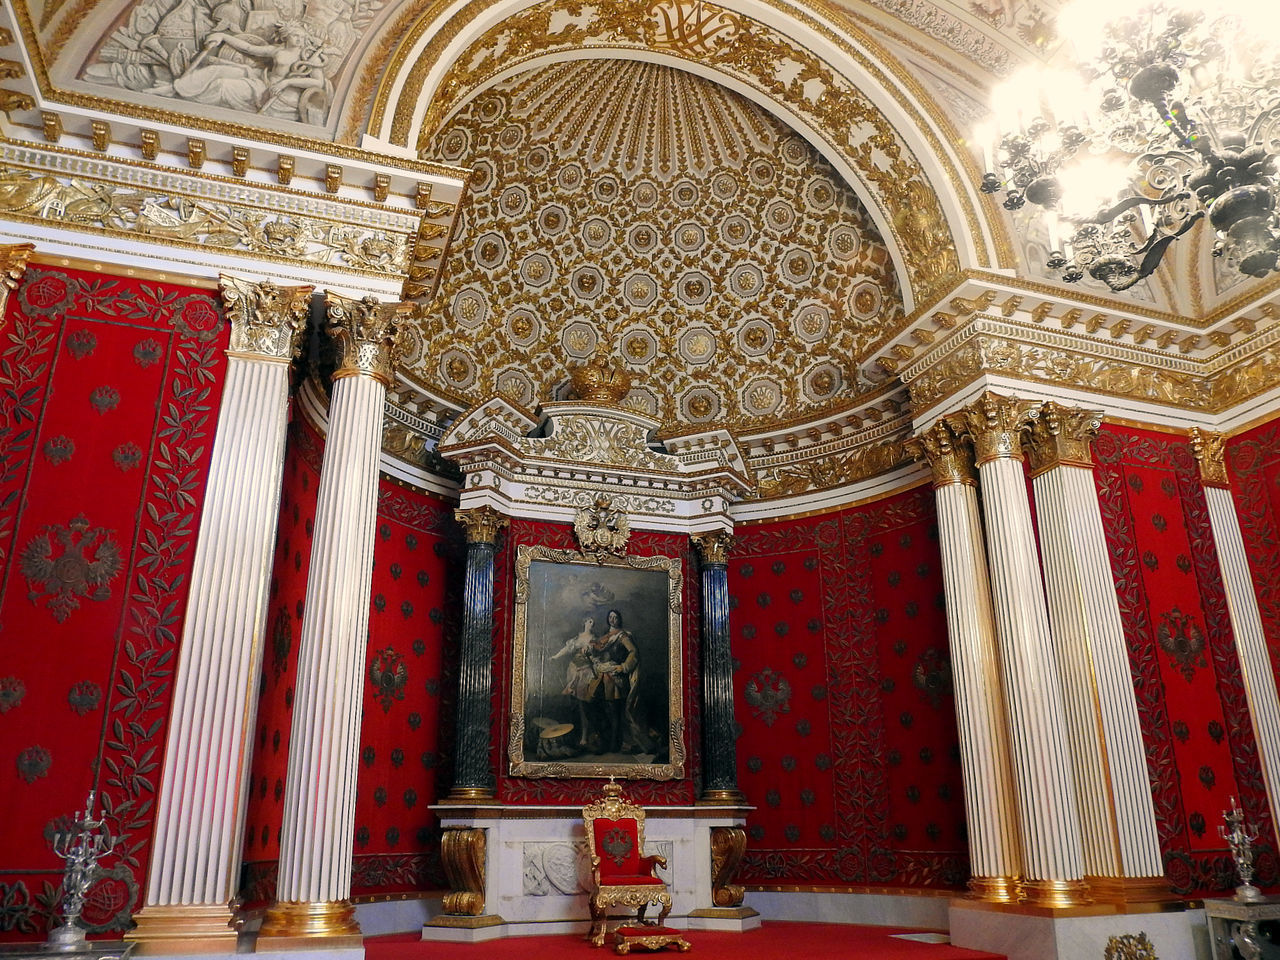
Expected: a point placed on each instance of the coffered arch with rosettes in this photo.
(823, 77)
(626, 204)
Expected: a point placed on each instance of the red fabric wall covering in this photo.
(418, 559)
(849, 749)
(1191, 702)
(299, 488)
(524, 790)
(409, 661)
(1253, 459)
(109, 391)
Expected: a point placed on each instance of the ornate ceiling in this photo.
(637, 205)
(767, 208)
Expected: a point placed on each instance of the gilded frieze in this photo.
(712, 250)
(168, 215)
(1078, 367)
(823, 473)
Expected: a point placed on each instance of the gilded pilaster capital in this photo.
(995, 424)
(266, 320)
(13, 264)
(1210, 455)
(714, 547)
(949, 458)
(1062, 436)
(481, 524)
(369, 336)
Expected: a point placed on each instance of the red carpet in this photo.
(802, 941)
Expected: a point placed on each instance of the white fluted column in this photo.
(200, 810)
(1048, 815)
(314, 881)
(990, 804)
(1121, 846)
(1242, 608)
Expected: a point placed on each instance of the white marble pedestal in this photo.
(538, 869)
(1030, 933)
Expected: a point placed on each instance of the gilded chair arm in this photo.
(653, 861)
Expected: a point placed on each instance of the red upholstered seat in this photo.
(618, 844)
(623, 875)
(625, 880)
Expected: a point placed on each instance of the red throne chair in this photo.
(624, 876)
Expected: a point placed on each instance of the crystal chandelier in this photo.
(1170, 114)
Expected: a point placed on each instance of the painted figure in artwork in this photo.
(617, 665)
(580, 677)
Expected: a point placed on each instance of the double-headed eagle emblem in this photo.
(601, 529)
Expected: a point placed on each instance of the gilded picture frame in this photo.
(597, 686)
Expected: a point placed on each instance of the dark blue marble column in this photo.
(719, 740)
(473, 778)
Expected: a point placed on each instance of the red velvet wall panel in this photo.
(1253, 460)
(575, 791)
(299, 488)
(109, 391)
(417, 560)
(1200, 745)
(413, 624)
(843, 694)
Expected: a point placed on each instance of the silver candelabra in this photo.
(81, 847)
(1240, 840)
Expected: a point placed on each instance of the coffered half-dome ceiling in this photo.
(634, 205)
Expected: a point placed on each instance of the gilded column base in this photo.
(729, 798)
(1131, 889)
(470, 795)
(290, 925)
(995, 889)
(184, 928)
(1055, 893)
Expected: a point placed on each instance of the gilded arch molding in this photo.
(426, 80)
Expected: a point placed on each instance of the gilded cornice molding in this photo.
(1062, 436)
(266, 320)
(949, 458)
(13, 264)
(714, 547)
(995, 423)
(481, 524)
(368, 335)
(1210, 455)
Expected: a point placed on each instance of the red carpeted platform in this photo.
(801, 941)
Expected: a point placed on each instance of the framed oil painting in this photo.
(596, 685)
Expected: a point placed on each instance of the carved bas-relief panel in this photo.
(279, 59)
(559, 868)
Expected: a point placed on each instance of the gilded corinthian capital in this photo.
(945, 450)
(368, 335)
(715, 546)
(1210, 455)
(481, 524)
(1062, 435)
(266, 320)
(995, 423)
